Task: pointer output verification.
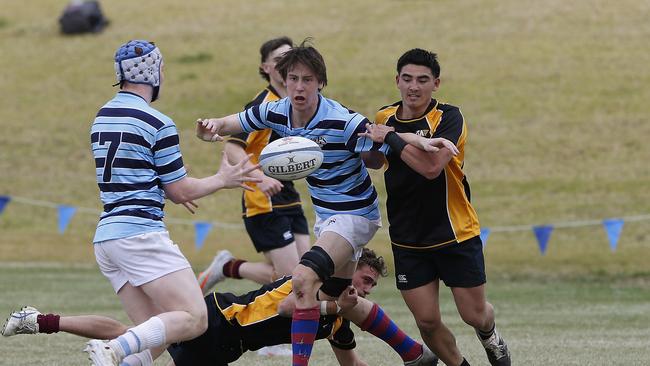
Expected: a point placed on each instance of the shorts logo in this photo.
(331, 221)
(287, 235)
(401, 278)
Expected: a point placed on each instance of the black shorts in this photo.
(457, 265)
(218, 346)
(275, 229)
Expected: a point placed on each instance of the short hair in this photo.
(270, 46)
(418, 56)
(370, 259)
(308, 56)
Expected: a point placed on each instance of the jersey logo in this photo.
(423, 133)
(320, 141)
(401, 278)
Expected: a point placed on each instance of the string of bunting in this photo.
(613, 226)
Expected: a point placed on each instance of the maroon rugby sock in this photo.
(231, 269)
(48, 323)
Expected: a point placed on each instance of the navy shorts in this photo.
(457, 265)
(218, 346)
(275, 230)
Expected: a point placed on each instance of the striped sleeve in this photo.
(168, 160)
(358, 144)
(254, 118)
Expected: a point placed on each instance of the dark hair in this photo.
(303, 54)
(270, 46)
(418, 56)
(370, 259)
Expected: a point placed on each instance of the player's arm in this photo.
(269, 186)
(426, 156)
(373, 159)
(229, 176)
(211, 129)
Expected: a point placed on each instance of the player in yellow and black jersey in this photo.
(240, 323)
(429, 213)
(434, 229)
(272, 212)
(262, 318)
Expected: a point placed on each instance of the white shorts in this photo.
(357, 230)
(139, 259)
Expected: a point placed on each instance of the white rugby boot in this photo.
(21, 322)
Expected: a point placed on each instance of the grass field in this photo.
(548, 321)
(555, 94)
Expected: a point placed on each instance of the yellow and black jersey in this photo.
(237, 324)
(255, 320)
(422, 213)
(255, 202)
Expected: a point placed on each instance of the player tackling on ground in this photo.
(237, 324)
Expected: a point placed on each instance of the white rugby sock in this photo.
(147, 335)
(138, 359)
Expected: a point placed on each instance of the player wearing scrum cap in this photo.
(139, 163)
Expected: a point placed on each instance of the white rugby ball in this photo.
(290, 158)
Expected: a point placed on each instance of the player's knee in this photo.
(334, 286)
(303, 278)
(319, 262)
(198, 320)
(477, 315)
(429, 325)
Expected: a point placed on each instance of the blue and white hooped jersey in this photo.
(136, 151)
(341, 185)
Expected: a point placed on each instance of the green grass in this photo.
(596, 321)
(555, 95)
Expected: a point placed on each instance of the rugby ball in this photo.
(290, 158)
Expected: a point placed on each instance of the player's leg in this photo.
(282, 237)
(300, 230)
(371, 318)
(91, 326)
(271, 234)
(416, 276)
(163, 314)
(340, 241)
(164, 298)
(316, 266)
(424, 305)
(465, 276)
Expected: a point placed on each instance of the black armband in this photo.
(395, 142)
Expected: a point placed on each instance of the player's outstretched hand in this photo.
(348, 299)
(376, 132)
(237, 175)
(269, 186)
(206, 129)
(435, 144)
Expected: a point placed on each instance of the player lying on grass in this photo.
(237, 324)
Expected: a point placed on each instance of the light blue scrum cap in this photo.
(139, 62)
